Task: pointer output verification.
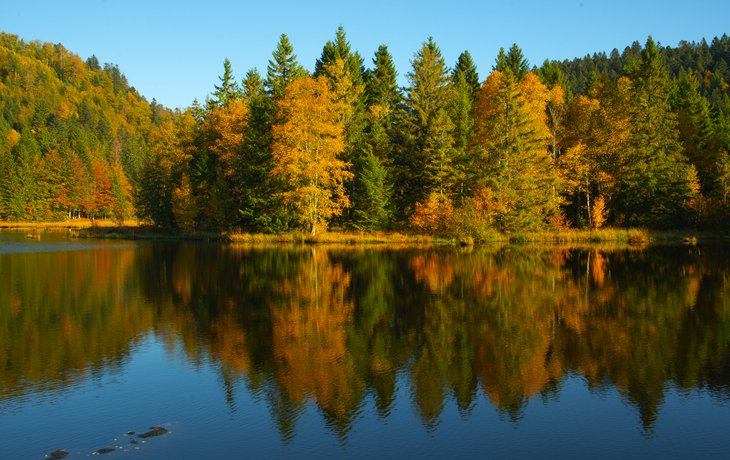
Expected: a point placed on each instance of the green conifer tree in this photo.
(658, 185)
(228, 89)
(340, 49)
(252, 86)
(424, 150)
(282, 69)
(513, 61)
(372, 210)
(381, 86)
(461, 112)
(465, 66)
(695, 128)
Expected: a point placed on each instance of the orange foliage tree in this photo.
(307, 148)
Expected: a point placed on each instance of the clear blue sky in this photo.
(174, 51)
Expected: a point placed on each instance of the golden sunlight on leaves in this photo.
(306, 150)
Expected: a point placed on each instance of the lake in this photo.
(243, 351)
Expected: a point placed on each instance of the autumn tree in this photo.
(184, 207)
(307, 148)
(515, 167)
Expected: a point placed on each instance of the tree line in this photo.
(637, 139)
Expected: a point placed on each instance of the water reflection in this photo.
(336, 329)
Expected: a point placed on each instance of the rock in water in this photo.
(58, 454)
(105, 450)
(156, 431)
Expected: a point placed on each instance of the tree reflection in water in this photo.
(337, 328)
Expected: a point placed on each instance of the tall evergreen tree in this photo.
(513, 61)
(252, 85)
(282, 69)
(461, 112)
(425, 147)
(381, 86)
(372, 209)
(658, 186)
(228, 89)
(695, 128)
(465, 66)
(340, 49)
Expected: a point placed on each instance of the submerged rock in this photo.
(105, 450)
(58, 454)
(156, 431)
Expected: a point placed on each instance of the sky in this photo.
(174, 51)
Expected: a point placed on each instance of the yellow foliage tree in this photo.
(518, 174)
(599, 212)
(183, 205)
(307, 148)
(434, 214)
(228, 125)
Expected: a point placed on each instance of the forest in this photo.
(638, 138)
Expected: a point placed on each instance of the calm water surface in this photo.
(328, 352)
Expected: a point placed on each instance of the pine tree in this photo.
(372, 210)
(340, 49)
(695, 128)
(228, 90)
(461, 112)
(425, 146)
(513, 61)
(658, 187)
(252, 85)
(352, 115)
(465, 66)
(381, 86)
(282, 69)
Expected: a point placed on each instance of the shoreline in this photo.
(133, 230)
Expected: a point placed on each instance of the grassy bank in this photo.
(70, 224)
(83, 228)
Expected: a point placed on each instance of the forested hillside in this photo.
(635, 139)
(73, 134)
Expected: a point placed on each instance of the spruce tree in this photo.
(228, 90)
(461, 112)
(658, 185)
(340, 49)
(424, 153)
(465, 66)
(344, 70)
(381, 86)
(372, 210)
(695, 128)
(282, 69)
(513, 61)
(252, 85)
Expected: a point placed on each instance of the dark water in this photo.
(302, 352)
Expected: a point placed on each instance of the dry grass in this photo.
(84, 228)
(74, 224)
